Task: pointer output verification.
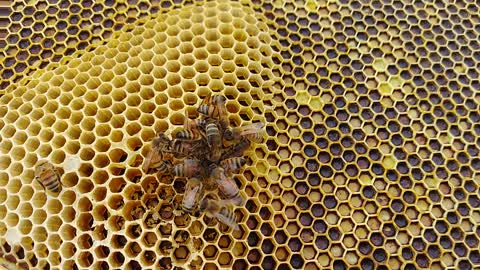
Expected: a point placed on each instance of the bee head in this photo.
(243, 161)
(160, 139)
(228, 135)
(203, 204)
(41, 166)
(217, 99)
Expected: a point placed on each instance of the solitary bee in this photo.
(233, 164)
(253, 132)
(193, 191)
(214, 141)
(227, 186)
(189, 168)
(236, 150)
(154, 159)
(219, 210)
(47, 175)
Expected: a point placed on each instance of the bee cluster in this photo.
(207, 152)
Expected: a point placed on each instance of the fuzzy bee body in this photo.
(219, 102)
(214, 141)
(233, 164)
(193, 191)
(47, 175)
(227, 186)
(154, 159)
(218, 209)
(164, 167)
(209, 110)
(190, 135)
(214, 107)
(189, 168)
(161, 142)
(181, 148)
(227, 217)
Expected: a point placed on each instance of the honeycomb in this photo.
(371, 158)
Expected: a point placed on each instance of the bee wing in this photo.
(191, 163)
(238, 201)
(149, 157)
(190, 193)
(251, 128)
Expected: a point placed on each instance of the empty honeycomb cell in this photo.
(85, 222)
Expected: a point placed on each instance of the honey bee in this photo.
(236, 150)
(227, 186)
(219, 101)
(162, 142)
(219, 210)
(209, 110)
(214, 107)
(189, 168)
(200, 150)
(181, 148)
(253, 132)
(154, 158)
(214, 141)
(47, 175)
(233, 164)
(193, 191)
